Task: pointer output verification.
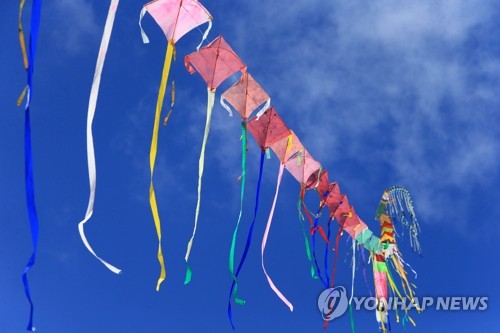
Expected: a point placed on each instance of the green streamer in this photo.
(306, 240)
(243, 178)
(351, 316)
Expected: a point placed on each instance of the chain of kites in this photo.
(215, 63)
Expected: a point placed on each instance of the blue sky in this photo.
(381, 93)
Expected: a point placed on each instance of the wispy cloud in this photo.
(406, 86)
(73, 24)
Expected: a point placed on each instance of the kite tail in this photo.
(334, 269)
(22, 43)
(234, 285)
(90, 140)
(313, 241)
(264, 241)
(28, 155)
(396, 205)
(381, 292)
(201, 164)
(152, 158)
(351, 315)
(362, 250)
(30, 198)
(242, 191)
(327, 250)
(205, 35)
(306, 240)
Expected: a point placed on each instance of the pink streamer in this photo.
(264, 241)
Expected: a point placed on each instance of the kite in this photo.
(329, 194)
(284, 149)
(395, 205)
(94, 92)
(176, 18)
(29, 61)
(266, 129)
(215, 63)
(305, 169)
(246, 96)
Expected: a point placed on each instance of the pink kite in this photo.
(215, 63)
(175, 18)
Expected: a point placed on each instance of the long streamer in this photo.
(327, 250)
(353, 268)
(324, 281)
(22, 44)
(234, 285)
(242, 191)
(152, 158)
(306, 240)
(201, 164)
(28, 155)
(264, 241)
(94, 92)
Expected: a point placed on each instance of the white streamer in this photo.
(145, 38)
(205, 35)
(264, 108)
(90, 140)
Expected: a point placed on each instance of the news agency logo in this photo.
(332, 303)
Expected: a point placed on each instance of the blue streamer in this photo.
(249, 240)
(324, 281)
(28, 156)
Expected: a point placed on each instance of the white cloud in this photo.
(410, 82)
(73, 24)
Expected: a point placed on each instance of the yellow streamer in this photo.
(21, 97)
(23, 48)
(152, 157)
(201, 164)
(21, 34)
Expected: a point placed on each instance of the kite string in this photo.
(152, 159)
(264, 241)
(201, 164)
(94, 92)
(234, 285)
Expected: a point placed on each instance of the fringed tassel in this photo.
(400, 208)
